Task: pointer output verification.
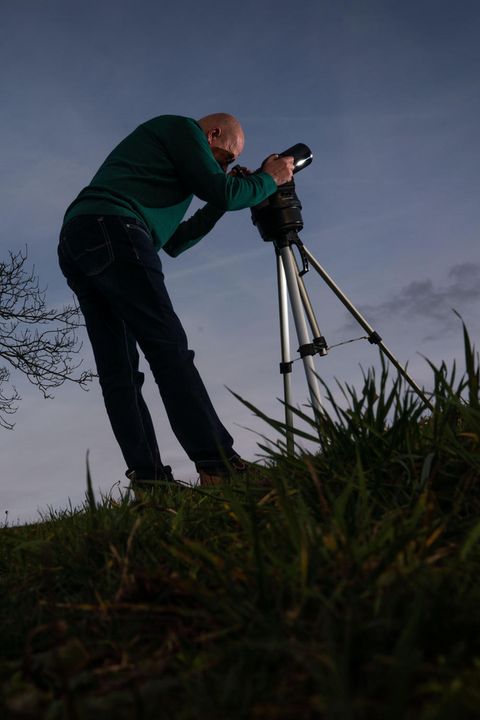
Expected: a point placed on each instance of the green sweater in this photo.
(153, 174)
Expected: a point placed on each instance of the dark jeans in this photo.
(114, 270)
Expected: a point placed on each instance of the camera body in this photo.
(281, 212)
(278, 214)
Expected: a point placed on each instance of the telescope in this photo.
(281, 212)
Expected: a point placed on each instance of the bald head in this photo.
(224, 133)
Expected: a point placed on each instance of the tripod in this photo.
(291, 287)
(279, 220)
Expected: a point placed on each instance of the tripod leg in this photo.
(286, 364)
(373, 337)
(318, 339)
(306, 348)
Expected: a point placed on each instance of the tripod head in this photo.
(280, 213)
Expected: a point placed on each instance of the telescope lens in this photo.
(302, 156)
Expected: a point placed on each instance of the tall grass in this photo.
(347, 588)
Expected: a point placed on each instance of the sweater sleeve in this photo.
(201, 175)
(192, 230)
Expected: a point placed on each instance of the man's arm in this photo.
(199, 172)
(191, 231)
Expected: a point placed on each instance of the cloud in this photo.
(423, 299)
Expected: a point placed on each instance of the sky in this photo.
(387, 95)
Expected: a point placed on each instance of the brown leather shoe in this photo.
(236, 468)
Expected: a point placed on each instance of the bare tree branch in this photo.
(43, 353)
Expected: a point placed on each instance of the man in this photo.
(108, 252)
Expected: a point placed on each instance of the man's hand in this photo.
(280, 168)
(239, 171)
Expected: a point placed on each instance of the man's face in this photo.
(222, 156)
(225, 147)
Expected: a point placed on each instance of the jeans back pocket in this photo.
(88, 245)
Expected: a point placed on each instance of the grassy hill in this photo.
(346, 589)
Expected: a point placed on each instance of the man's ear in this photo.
(213, 134)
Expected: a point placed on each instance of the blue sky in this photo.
(387, 95)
